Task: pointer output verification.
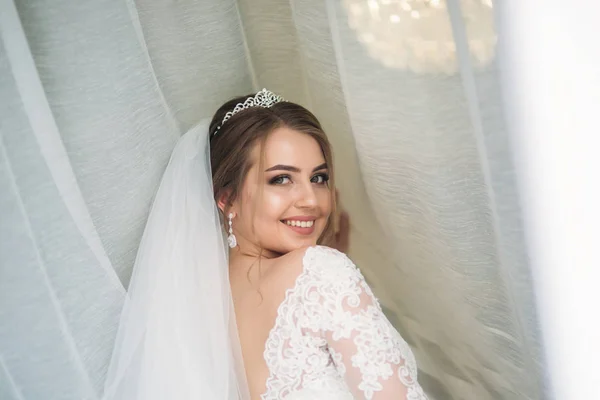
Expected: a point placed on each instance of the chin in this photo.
(311, 240)
(291, 245)
(294, 238)
(303, 243)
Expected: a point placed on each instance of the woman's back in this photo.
(319, 333)
(256, 309)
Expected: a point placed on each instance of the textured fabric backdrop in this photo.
(93, 96)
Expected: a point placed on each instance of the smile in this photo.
(301, 225)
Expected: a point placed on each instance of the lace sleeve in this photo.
(368, 352)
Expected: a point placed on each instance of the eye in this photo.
(320, 179)
(280, 180)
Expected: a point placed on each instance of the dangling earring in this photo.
(231, 240)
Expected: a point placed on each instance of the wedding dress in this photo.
(332, 341)
(178, 338)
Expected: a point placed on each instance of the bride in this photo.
(278, 315)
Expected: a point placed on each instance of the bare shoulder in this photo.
(288, 268)
(321, 262)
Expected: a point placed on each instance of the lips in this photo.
(302, 225)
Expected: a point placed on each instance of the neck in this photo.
(252, 253)
(253, 264)
(251, 250)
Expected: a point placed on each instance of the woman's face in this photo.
(286, 206)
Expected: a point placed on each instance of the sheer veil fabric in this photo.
(95, 94)
(177, 336)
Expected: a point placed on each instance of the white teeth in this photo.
(301, 224)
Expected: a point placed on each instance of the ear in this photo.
(223, 201)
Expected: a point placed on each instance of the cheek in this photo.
(274, 204)
(325, 202)
(249, 207)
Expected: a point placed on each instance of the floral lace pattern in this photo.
(331, 339)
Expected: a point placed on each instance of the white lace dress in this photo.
(332, 341)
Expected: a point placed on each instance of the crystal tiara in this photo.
(265, 98)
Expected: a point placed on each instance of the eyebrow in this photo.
(281, 167)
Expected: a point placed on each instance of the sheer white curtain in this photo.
(551, 85)
(93, 96)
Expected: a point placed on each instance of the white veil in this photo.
(177, 338)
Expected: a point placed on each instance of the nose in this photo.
(306, 196)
